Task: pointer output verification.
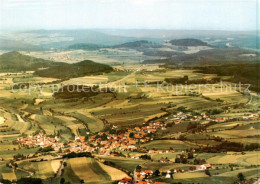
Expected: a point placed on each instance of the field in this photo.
(115, 174)
(190, 175)
(125, 163)
(43, 169)
(166, 144)
(139, 104)
(91, 171)
(9, 176)
(138, 99)
(250, 158)
(130, 164)
(81, 166)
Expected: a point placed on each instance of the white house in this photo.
(169, 174)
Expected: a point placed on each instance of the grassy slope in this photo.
(44, 170)
(86, 169)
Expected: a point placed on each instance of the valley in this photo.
(173, 109)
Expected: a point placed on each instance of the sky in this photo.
(129, 14)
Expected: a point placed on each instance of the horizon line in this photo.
(155, 29)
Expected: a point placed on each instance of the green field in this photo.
(167, 144)
(44, 169)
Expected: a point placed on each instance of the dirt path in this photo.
(59, 173)
(30, 174)
(124, 78)
(250, 100)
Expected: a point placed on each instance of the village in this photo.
(122, 143)
(107, 143)
(103, 143)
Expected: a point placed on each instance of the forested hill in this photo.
(16, 62)
(209, 57)
(85, 46)
(243, 73)
(188, 42)
(66, 71)
(138, 45)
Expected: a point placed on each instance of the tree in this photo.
(145, 157)
(185, 78)
(30, 180)
(241, 177)
(207, 172)
(131, 135)
(138, 168)
(182, 137)
(156, 172)
(177, 160)
(5, 181)
(190, 155)
(15, 165)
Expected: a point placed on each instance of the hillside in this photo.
(6, 44)
(15, 62)
(210, 56)
(65, 71)
(244, 73)
(188, 42)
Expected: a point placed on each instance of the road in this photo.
(124, 78)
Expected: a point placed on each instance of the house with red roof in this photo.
(125, 181)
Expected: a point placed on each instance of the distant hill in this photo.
(6, 44)
(211, 56)
(70, 37)
(44, 39)
(66, 71)
(85, 46)
(15, 62)
(188, 42)
(140, 44)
